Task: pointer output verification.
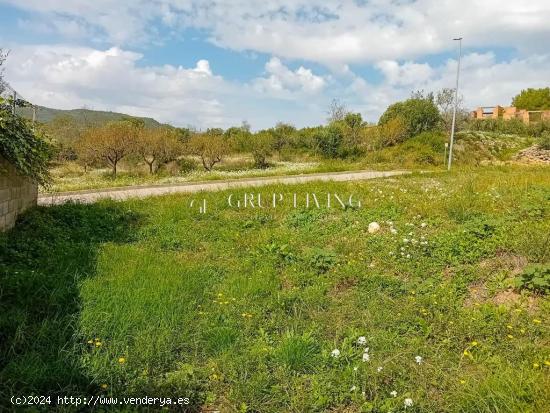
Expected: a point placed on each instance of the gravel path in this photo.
(189, 187)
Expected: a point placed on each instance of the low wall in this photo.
(17, 193)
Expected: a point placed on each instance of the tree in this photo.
(445, 100)
(110, 143)
(261, 146)
(158, 146)
(282, 135)
(336, 111)
(210, 148)
(353, 123)
(533, 99)
(417, 115)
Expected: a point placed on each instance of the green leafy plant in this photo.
(323, 260)
(23, 147)
(535, 278)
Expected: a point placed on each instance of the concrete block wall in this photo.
(17, 193)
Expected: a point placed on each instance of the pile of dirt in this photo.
(533, 154)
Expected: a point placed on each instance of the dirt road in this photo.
(190, 187)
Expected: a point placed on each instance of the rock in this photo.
(533, 154)
(374, 227)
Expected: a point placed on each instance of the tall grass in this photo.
(240, 310)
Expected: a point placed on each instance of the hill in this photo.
(80, 116)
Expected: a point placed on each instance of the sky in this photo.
(217, 63)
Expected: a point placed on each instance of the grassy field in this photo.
(423, 152)
(270, 310)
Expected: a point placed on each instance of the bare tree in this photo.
(444, 100)
(336, 111)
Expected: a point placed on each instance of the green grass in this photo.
(240, 309)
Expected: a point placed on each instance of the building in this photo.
(510, 112)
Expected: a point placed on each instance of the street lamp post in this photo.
(456, 104)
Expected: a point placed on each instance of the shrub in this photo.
(417, 115)
(329, 140)
(545, 141)
(24, 148)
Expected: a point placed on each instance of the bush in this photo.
(417, 115)
(186, 165)
(329, 140)
(24, 148)
(545, 141)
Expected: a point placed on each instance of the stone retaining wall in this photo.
(17, 193)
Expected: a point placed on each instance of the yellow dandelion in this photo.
(522, 331)
(462, 381)
(537, 321)
(104, 386)
(536, 365)
(98, 343)
(249, 315)
(97, 339)
(243, 314)
(509, 327)
(474, 343)
(121, 360)
(546, 363)
(510, 336)
(220, 294)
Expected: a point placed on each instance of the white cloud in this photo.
(70, 77)
(409, 73)
(483, 81)
(332, 33)
(283, 81)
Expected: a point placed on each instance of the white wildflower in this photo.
(353, 388)
(335, 353)
(393, 230)
(418, 359)
(366, 357)
(408, 402)
(423, 225)
(374, 227)
(405, 240)
(362, 340)
(379, 369)
(393, 393)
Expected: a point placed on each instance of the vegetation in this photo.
(417, 116)
(533, 99)
(109, 144)
(210, 148)
(23, 147)
(273, 310)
